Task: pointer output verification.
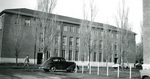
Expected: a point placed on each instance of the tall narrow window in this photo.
(76, 55)
(77, 29)
(70, 55)
(58, 27)
(41, 37)
(100, 56)
(100, 44)
(27, 22)
(63, 53)
(115, 47)
(56, 52)
(94, 56)
(0, 22)
(56, 39)
(64, 41)
(70, 42)
(77, 43)
(65, 28)
(71, 28)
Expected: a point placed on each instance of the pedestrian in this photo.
(26, 62)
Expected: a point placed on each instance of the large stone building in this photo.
(66, 44)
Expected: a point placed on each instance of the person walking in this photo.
(26, 62)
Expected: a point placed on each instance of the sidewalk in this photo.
(19, 66)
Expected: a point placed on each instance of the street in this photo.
(13, 73)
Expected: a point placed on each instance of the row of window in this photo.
(27, 21)
(71, 40)
(71, 28)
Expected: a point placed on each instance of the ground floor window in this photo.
(94, 56)
(63, 53)
(76, 55)
(100, 56)
(70, 54)
(56, 52)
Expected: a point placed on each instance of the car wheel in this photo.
(46, 70)
(53, 69)
(71, 70)
(146, 77)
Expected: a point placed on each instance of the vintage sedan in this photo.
(145, 74)
(58, 63)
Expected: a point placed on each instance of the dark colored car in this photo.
(138, 66)
(58, 63)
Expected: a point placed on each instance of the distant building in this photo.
(67, 44)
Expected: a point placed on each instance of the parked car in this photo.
(145, 74)
(58, 63)
(138, 65)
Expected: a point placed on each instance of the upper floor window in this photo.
(56, 39)
(77, 29)
(100, 44)
(71, 41)
(65, 28)
(41, 37)
(77, 41)
(115, 47)
(71, 28)
(64, 40)
(0, 22)
(27, 22)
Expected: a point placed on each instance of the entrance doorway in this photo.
(39, 58)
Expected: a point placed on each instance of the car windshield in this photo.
(62, 59)
(56, 60)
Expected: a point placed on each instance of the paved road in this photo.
(10, 73)
(34, 74)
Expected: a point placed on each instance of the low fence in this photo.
(103, 68)
(107, 71)
(101, 64)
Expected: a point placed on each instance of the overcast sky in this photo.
(106, 10)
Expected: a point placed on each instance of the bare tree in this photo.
(34, 31)
(107, 43)
(48, 24)
(18, 37)
(124, 31)
(87, 35)
(139, 56)
(139, 48)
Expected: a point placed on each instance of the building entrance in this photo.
(39, 58)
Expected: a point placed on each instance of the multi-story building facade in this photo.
(67, 43)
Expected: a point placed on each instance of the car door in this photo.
(63, 64)
(55, 63)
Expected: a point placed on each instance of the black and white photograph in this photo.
(74, 39)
